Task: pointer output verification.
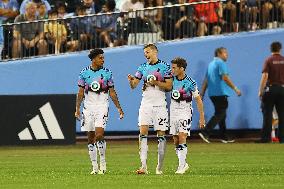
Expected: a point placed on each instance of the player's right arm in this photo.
(79, 99)
(133, 81)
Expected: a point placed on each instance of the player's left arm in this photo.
(197, 97)
(114, 98)
(165, 85)
(201, 111)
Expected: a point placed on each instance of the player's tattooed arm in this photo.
(79, 99)
(114, 98)
(133, 82)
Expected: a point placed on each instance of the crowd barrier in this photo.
(57, 75)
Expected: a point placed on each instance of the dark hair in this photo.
(147, 4)
(219, 51)
(111, 5)
(95, 52)
(180, 62)
(275, 46)
(52, 11)
(59, 4)
(80, 8)
(151, 45)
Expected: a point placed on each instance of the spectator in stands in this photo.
(253, 8)
(83, 31)
(209, 17)
(229, 15)
(154, 16)
(281, 8)
(25, 2)
(93, 6)
(55, 32)
(134, 18)
(267, 15)
(184, 25)
(61, 9)
(277, 12)
(42, 13)
(132, 5)
(9, 9)
(106, 24)
(28, 37)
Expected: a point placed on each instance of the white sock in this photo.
(93, 155)
(161, 151)
(143, 150)
(273, 133)
(176, 150)
(182, 153)
(102, 150)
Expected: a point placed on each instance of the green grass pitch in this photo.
(216, 165)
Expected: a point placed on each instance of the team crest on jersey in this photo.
(151, 77)
(175, 94)
(95, 86)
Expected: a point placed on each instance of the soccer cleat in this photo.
(94, 172)
(142, 171)
(204, 137)
(275, 139)
(226, 140)
(102, 168)
(102, 172)
(158, 171)
(182, 170)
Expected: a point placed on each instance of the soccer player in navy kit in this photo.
(183, 91)
(157, 78)
(95, 86)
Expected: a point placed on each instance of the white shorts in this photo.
(156, 116)
(180, 119)
(92, 119)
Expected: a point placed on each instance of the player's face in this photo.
(224, 55)
(99, 60)
(150, 54)
(176, 70)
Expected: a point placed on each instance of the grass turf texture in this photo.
(239, 165)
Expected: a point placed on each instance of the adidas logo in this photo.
(41, 129)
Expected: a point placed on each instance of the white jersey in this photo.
(96, 84)
(153, 96)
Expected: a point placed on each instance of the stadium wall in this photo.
(58, 74)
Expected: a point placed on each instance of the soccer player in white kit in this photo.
(184, 89)
(157, 78)
(95, 86)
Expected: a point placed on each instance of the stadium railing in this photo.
(149, 25)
